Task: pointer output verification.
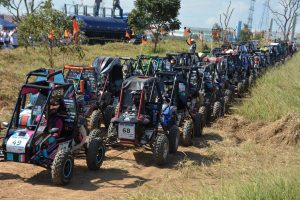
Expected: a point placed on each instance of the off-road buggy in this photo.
(109, 81)
(138, 118)
(97, 89)
(48, 132)
(182, 58)
(212, 92)
(181, 102)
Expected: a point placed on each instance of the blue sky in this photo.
(196, 13)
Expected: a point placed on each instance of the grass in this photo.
(261, 187)
(275, 95)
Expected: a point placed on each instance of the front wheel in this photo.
(161, 149)
(173, 137)
(187, 133)
(62, 168)
(95, 153)
(198, 128)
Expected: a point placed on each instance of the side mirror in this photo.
(53, 130)
(82, 84)
(5, 124)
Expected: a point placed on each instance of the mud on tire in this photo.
(62, 167)
(173, 137)
(160, 149)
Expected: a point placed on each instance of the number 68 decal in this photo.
(126, 130)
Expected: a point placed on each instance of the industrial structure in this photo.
(251, 12)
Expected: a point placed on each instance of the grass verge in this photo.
(275, 95)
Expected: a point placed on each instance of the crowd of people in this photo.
(9, 39)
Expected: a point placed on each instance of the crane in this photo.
(251, 12)
(264, 20)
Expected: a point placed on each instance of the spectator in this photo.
(5, 37)
(193, 46)
(116, 5)
(13, 35)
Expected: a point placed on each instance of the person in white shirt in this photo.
(13, 35)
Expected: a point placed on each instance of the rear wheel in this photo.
(95, 153)
(62, 167)
(96, 119)
(203, 113)
(217, 110)
(228, 93)
(226, 104)
(96, 133)
(198, 128)
(251, 80)
(187, 133)
(161, 149)
(109, 113)
(239, 89)
(173, 137)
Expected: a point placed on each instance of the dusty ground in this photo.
(232, 148)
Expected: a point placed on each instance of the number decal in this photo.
(17, 142)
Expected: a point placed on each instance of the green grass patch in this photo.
(271, 186)
(275, 95)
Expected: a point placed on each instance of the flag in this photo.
(75, 27)
(66, 34)
(127, 35)
(51, 35)
(189, 41)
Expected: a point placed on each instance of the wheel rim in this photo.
(165, 150)
(67, 168)
(100, 155)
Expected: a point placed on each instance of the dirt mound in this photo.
(285, 131)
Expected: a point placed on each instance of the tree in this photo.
(44, 28)
(285, 15)
(158, 16)
(226, 20)
(245, 34)
(14, 7)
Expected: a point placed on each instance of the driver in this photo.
(54, 121)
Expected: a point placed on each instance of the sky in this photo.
(196, 13)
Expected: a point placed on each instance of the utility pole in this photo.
(251, 12)
(270, 29)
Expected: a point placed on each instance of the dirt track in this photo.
(218, 155)
(122, 172)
